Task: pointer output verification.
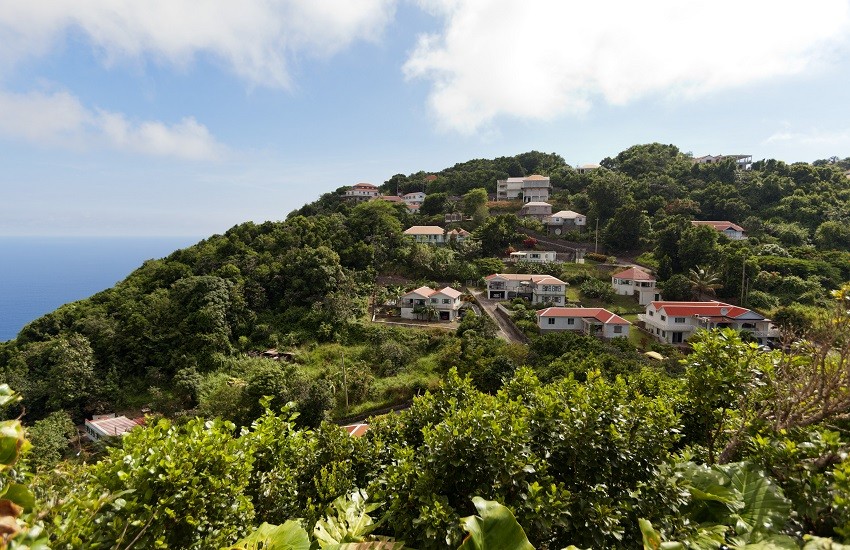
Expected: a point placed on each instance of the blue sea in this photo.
(39, 274)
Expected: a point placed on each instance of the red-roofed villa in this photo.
(593, 321)
(675, 322)
(636, 282)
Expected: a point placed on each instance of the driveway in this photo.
(507, 331)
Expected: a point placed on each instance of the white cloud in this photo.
(255, 38)
(59, 119)
(838, 139)
(538, 59)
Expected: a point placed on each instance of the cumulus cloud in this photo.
(60, 119)
(839, 139)
(255, 38)
(537, 59)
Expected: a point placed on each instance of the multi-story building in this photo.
(534, 188)
(593, 321)
(675, 322)
(742, 162)
(636, 282)
(538, 289)
(362, 192)
(425, 301)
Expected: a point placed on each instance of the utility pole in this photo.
(596, 239)
(345, 382)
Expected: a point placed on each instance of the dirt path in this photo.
(506, 330)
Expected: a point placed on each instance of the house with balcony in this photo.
(414, 200)
(537, 289)
(362, 192)
(564, 220)
(427, 234)
(592, 321)
(675, 322)
(734, 232)
(636, 282)
(426, 303)
(534, 188)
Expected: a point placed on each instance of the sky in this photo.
(186, 117)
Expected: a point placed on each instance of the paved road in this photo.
(506, 331)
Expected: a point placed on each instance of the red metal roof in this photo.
(634, 274)
(357, 430)
(719, 225)
(602, 315)
(705, 309)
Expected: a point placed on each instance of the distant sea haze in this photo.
(39, 274)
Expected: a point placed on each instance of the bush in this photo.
(761, 300)
(594, 288)
(596, 257)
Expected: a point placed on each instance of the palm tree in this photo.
(703, 281)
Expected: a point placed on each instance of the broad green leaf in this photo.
(289, 536)
(20, 495)
(821, 543)
(765, 507)
(495, 528)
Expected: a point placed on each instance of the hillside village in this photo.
(602, 349)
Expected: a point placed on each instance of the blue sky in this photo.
(180, 117)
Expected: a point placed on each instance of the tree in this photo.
(704, 281)
(834, 235)
(627, 228)
(677, 288)
(475, 204)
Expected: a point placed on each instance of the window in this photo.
(551, 320)
(651, 313)
(571, 321)
(679, 320)
(618, 329)
(446, 301)
(663, 318)
(676, 338)
(664, 334)
(435, 300)
(556, 299)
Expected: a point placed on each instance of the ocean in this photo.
(39, 274)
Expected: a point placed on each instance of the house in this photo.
(734, 232)
(537, 289)
(534, 188)
(415, 198)
(675, 322)
(593, 321)
(564, 220)
(444, 304)
(108, 425)
(457, 235)
(537, 210)
(742, 162)
(534, 256)
(362, 192)
(429, 234)
(636, 282)
(587, 168)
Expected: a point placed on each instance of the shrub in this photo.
(596, 257)
(594, 288)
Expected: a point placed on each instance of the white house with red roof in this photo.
(362, 192)
(108, 425)
(675, 322)
(636, 282)
(538, 289)
(593, 321)
(731, 230)
(445, 303)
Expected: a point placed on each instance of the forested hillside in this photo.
(580, 439)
